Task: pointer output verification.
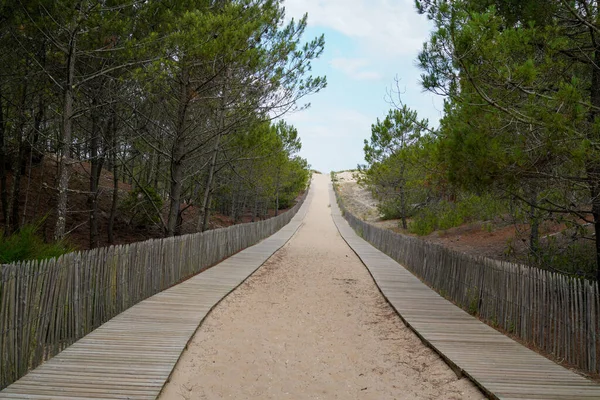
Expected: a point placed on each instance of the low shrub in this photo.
(445, 214)
(389, 209)
(138, 205)
(575, 258)
(27, 244)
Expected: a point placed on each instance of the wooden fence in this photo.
(552, 312)
(46, 306)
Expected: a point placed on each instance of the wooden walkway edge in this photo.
(132, 355)
(501, 367)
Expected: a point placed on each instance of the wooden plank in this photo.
(132, 355)
(503, 368)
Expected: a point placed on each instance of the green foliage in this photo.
(445, 214)
(159, 89)
(140, 206)
(296, 181)
(488, 227)
(27, 244)
(522, 84)
(271, 172)
(395, 156)
(397, 131)
(390, 209)
(473, 301)
(577, 258)
(511, 327)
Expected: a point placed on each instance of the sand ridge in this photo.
(311, 324)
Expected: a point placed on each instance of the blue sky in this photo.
(367, 44)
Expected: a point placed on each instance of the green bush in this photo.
(28, 245)
(445, 214)
(390, 209)
(286, 200)
(423, 223)
(576, 259)
(139, 206)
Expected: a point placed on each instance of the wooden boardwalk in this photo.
(132, 355)
(503, 368)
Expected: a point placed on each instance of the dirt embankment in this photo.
(503, 242)
(38, 199)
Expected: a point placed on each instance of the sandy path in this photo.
(311, 324)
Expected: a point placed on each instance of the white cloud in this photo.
(348, 122)
(390, 27)
(368, 42)
(355, 68)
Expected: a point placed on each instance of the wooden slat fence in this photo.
(47, 306)
(552, 312)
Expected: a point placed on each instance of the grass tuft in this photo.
(27, 244)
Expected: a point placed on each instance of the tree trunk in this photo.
(32, 147)
(124, 172)
(157, 171)
(19, 166)
(176, 187)
(594, 169)
(115, 169)
(403, 207)
(594, 176)
(534, 225)
(277, 184)
(132, 181)
(150, 168)
(242, 208)
(403, 197)
(65, 142)
(205, 216)
(213, 161)
(255, 212)
(233, 205)
(12, 223)
(3, 191)
(177, 154)
(94, 178)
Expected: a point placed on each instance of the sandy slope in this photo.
(311, 324)
(357, 197)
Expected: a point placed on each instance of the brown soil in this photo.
(311, 324)
(37, 204)
(503, 241)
